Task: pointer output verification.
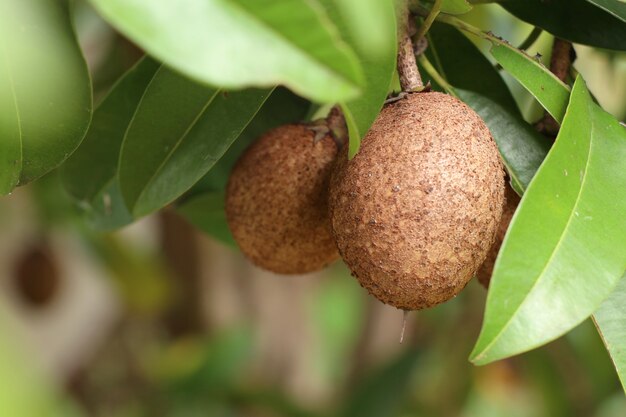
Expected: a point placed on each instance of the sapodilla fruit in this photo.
(511, 201)
(415, 212)
(277, 200)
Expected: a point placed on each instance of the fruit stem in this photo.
(410, 78)
(434, 74)
(336, 123)
(434, 12)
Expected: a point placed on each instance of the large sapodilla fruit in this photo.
(416, 210)
(277, 200)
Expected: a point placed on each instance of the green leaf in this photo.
(522, 148)
(610, 319)
(551, 92)
(564, 251)
(383, 392)
(45, 91)
(379, 63)
(464, 66)
(616, 7)
(243, 43)
(179, 131)
(455, 6)
(94, 164)
(282, 107)
(206, 212)
(577, 21)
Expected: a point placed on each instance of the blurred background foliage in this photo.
(161, 320)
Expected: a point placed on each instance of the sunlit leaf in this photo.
(243, 43)
(564, 251)
(377, 17)
(45, 91)
(455, 6)
(551, 92)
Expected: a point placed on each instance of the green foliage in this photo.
(610, 319)
(45, 91)
(378, 63)
(549, 91)
(178, 132)
(244, 43)
(578, 21)
(563, 253)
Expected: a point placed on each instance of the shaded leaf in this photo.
(206, 212)
(564, 251)
(243, 43)
(45, 91)
(94, 164)
(179, 131)
(551, 92)
(577, 21)
(464, 66)
(610, 319)
(522, 148)
(615, 7)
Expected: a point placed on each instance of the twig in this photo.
(434, 12)
(410, 79)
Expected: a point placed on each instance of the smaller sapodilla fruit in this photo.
(511, 201)
(277, 200)
(416, 210)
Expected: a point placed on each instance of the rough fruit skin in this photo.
(511, 201)
(277, 201)
(415, 212)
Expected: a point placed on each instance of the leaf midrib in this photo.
(552, 255)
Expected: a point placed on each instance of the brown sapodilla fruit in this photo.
(511, 201)
(277, 200)
(415, 212)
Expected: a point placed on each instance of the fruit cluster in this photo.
(413, 214)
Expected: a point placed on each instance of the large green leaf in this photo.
(90, 174)
(549, 91)
(575, 20)
(564, 252)
(179, 131)
(379, 64)
(94, 164)
(243, 43)
(464, 66)
(610, 319)
(616, 7)
(522, 148)
(45, 91)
